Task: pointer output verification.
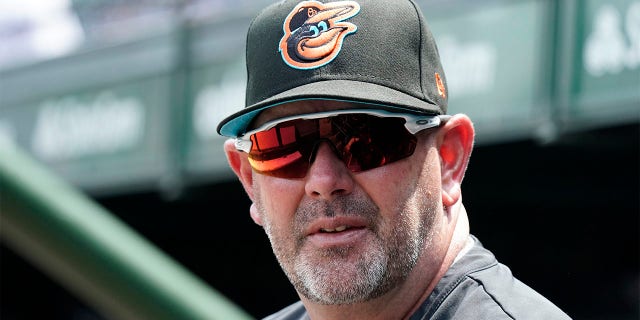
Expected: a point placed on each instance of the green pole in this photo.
(92, 253)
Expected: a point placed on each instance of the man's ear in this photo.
(239, 163)
(456, 143)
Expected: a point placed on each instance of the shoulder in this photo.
(477, 286)
(295, 311)
(494, 293)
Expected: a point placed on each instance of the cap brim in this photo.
(380, 97)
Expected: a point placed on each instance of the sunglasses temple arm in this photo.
(243, 145)
(416, 124)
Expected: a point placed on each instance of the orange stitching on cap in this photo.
(441, 90)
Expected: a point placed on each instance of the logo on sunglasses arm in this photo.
(314, 31)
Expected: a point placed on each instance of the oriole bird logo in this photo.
(314, 31)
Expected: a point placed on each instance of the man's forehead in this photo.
(299, 107)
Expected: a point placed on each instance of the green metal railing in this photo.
(92, 253)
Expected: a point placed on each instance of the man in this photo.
(354, 169)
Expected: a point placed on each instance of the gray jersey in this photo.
(476, 286)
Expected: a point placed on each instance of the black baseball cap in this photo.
(379, 53)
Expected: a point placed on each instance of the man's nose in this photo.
(328, 176)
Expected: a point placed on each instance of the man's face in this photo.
(344, 237)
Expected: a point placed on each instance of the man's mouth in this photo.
(337, 229)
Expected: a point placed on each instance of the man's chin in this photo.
(340, 276)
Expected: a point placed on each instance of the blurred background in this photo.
(121, 100)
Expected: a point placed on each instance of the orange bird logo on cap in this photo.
(314, 31)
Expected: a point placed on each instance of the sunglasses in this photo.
(362, 139)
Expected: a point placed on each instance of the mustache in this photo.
(355, 206)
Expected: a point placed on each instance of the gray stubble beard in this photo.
(372, 274)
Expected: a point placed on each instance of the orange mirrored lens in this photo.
(361, 141)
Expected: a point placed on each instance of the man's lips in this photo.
(335, 224)
(336, 231)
